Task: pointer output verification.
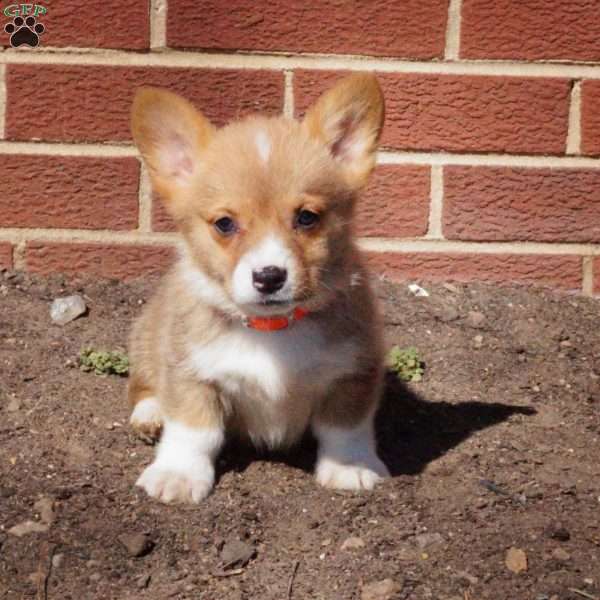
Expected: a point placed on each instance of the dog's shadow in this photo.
(411, 432)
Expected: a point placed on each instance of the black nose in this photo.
(269, 279)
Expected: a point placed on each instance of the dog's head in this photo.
(265, 205)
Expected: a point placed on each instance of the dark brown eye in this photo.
(306, 219)
(226, 226)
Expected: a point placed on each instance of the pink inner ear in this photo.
(346, 145)
(178, 157)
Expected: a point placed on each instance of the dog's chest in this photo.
(274, 362)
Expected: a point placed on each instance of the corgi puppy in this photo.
(266, 325)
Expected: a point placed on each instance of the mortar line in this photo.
(574, 131)
(453, 30)
(455, 246)
(288, 95)
(282, 62)
(16, 235)
(3, 70)
(67, 149)
(587, 273)
(384, 157)
(158, 24)
(145, 200)
(436, 200)
(391, 157)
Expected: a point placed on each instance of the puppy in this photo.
(266, 325)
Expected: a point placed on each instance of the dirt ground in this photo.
(496, 451)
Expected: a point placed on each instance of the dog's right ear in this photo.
(171, 136)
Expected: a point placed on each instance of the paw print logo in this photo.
(24, 32)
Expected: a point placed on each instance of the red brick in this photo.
(530, 30)
(590, 117)
(95, 24)
(76, 192)
(395, 204)
(503, 204)
(555, 271)
(93, 103)
(161, 220)
(463, 113)
(6, 255)
(101, 260)
(411, 28)
(596, 267)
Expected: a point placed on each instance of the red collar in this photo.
(275, 323)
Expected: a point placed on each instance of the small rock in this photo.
(426, 540)
(14, 405)
(144, 581)
(353, 543)
(236, 553)
(385, 589)
(7, 492)
(447, 314)
(466, 577)
(516, 560)
(28, 527)
(418, 291)
(481, 502)
(64, 310)
(478, 341)
(558, 532)
(45, 507)
(57, 560)
(136, 544)
(95, 577)
(561, 555)
(451, 288)
(475, 319)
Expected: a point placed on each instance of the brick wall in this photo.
(490, 166)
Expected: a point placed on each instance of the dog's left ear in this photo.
(348, 119)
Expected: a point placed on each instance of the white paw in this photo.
(168, 484)
(362, 475)
(147, 419)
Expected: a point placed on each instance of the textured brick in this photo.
(94, 24)
(411, 28)
(596, 266)
(530, 30)
(553, 271)
(544, 205)
(6, 255)
(76, 192)
(93, 103)
(590, 117)
(101, 260)
(463, 113)
(395, 204)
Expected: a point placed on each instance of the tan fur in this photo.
(319, 164)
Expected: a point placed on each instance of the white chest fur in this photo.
(275, 361)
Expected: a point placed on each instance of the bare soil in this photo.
(497, 448)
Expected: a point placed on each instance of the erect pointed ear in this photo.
(171, 136)
(348, 119)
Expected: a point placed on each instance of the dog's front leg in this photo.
(183, 469)
(347, 456)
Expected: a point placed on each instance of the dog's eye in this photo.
(306, 219)
(225, 226)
